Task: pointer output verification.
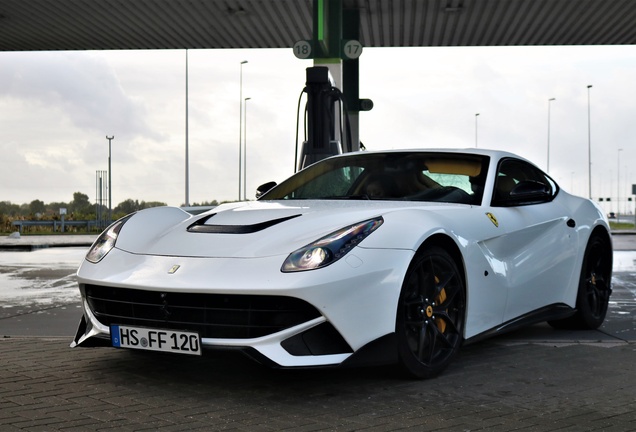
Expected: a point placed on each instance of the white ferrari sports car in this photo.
(362, 258)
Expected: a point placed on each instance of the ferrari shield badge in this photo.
(493, 219)
(174, 269)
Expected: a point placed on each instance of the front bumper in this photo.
(354, 300)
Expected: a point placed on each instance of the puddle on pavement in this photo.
(40, 278)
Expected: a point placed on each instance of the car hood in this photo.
(248, 230)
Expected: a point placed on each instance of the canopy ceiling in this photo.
(39, 25)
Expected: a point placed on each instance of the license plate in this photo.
(155, 339)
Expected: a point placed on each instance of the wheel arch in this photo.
(447, 243)
(601, 231)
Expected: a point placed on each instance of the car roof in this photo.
(494, 154)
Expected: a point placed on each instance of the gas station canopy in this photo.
(40, 25)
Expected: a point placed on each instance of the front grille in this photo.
(210, 315)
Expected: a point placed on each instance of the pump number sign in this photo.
(302, 49)
(352, 49)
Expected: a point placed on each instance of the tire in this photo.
(430, 314)
(594, 287)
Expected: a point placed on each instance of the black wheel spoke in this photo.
(597, 293)
(453, 300)
(426, 281)
(428, 291)
(598, 262)
(592, 298)
(603, 288)
(451, 326)
(442, 337)
(443, 284)
(421, 345)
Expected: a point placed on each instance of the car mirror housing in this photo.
(264, 188)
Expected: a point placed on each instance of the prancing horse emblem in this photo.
(493, 219)
(174, 269)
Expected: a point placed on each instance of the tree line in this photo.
(80, 208)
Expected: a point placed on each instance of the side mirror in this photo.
(264, 188)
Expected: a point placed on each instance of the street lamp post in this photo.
(245, 148)
(110, 175)
(548, 165)
(240, 127)
(618, 183)
(589, 145)
(187, 150)
(476, 116)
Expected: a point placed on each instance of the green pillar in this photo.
(327, 32)
(335, 45)
(351, 76)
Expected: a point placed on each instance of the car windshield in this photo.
(395, 176)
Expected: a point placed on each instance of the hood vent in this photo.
(200, 226)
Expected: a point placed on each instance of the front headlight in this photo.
(331, 248)
(106, 241)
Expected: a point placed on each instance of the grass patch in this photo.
(621, 225)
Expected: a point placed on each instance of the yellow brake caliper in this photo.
(441, 298)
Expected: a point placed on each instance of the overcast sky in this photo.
(56, 109)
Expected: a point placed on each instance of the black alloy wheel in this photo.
(595, 284)
(431, 314)
(594, 287)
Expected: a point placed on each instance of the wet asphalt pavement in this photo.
(535, 379)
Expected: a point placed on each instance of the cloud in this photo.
(82, 87)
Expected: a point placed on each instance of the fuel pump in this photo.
(324, 116)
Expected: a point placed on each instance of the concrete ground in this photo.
(536, 379)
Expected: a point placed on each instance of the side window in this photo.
(520, 183)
